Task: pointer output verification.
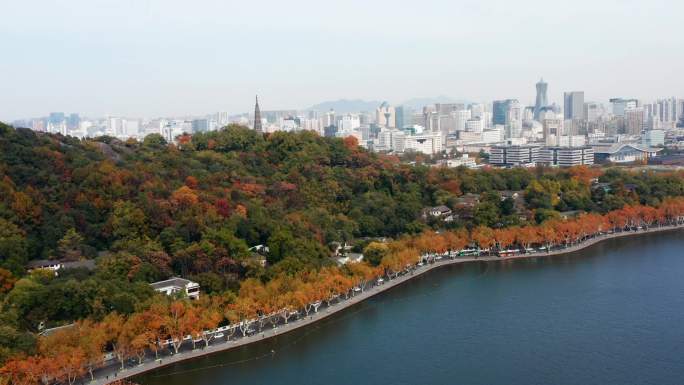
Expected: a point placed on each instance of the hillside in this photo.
(146, 211)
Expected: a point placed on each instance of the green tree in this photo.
(542, 193)
(375, 252)
(70, 247)
(13, 247)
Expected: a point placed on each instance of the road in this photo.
(112, 372)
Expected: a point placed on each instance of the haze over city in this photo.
(172, 58)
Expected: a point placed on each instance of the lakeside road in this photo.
(112, 373)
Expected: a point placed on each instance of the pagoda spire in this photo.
(257, 116)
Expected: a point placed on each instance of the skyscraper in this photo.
(573, 105)
(542, 100)
(257, 116)
(73, 121)
(385, 115)
(403, 116)
(499, 111)
(56, 117)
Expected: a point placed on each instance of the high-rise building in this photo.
(574, 105)
(403, 116)
(634, 120)
(508, 113)
(349, 122)
(528, 113)
(425, 142)
(514, 119)
(328, 120)
(553, 130)
(461, 117)
(385, 115)
(257, 117)
(620, 105)
(73, 121)
(200, 125)
(474, 125)
(56, 117)
(542, 100)
(592, 111)
(667, 110)
(448, 108)
(499, 110)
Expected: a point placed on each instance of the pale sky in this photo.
(150, 58)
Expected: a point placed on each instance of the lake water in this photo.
(611, 314)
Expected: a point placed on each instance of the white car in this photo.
(218, 335)
(380, 280)
(357, 289)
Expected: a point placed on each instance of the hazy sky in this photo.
(169, 57)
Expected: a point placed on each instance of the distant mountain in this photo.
(418, 103)
(344, 106)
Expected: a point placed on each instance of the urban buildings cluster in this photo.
(513, 134)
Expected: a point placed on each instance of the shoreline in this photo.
(112, 373)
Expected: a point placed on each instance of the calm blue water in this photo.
(612, 314)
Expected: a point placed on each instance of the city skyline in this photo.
(165, 58)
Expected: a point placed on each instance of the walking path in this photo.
(112, 372)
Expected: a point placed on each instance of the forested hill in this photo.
(146, 211)
(197, 207)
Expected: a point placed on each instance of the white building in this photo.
(311, 125)
(514, 155)
(653, 138)
(475, 125)
(390, 140)
(385, 116)
(572, 141)
(624, 153)
(464, 160)
(427, 143)
(461, 118)
(131, 128)
(494, 135)
(514, 117)
(176, 285)
(349, 122)
(553, 130)
(566, 156)
(346, 133)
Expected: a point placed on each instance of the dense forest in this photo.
(146, 211)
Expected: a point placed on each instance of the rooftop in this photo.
(616, 147)
(172, 282)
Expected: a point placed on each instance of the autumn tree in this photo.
(361, 273)
(483, 237)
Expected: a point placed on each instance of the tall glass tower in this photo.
(542, 100)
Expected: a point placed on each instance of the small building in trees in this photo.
(55, 265)
(349, 258)
(441, 212)
(176, 285)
